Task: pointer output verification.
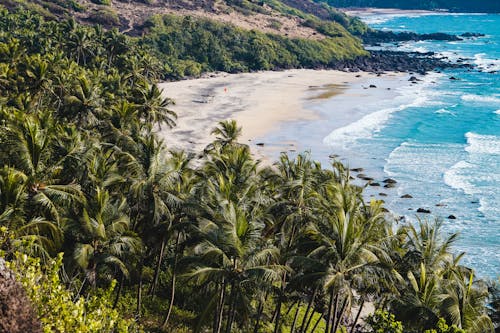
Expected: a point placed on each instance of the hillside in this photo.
(289, 18)
(451, 5)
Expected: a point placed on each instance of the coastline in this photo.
(269, 105)
(369, 11)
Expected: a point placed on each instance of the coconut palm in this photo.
(463, 302)
(104, 236)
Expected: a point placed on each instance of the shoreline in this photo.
(271, 107)
(370, 11)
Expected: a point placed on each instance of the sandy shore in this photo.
(264, 103)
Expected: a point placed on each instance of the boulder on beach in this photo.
(390, 185)
(382, 194)
(406, 196)
(357, 169)
(452, 217)
(423, 210)
(389, 181)
(260, 144)
(374, 184)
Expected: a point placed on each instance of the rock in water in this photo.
(423, 210)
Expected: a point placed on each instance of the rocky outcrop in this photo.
(16, 312)
(374, 37)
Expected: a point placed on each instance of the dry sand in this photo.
(258, 101)
(268, 105)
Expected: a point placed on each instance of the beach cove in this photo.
(270, 105)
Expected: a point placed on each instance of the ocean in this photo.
(440, 139)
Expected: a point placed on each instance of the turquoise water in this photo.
(440, 139)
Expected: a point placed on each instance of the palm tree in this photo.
(153, 107)
(230, 255)
(104, 236)
(84, 103)
(30, 144)
(463, 302)
(227, 133)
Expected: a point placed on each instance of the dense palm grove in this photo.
(150, 238)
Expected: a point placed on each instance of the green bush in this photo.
(384, 322)
(442, 327)
(105, 16)
(102, 2)
(55, 306)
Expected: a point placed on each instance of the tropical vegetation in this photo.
(110, 229)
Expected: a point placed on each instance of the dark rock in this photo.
(423, 210)
(369, 179)
(333, 156)
(413, 79)
(453, 78)
(410, 208)
(406, 196)
(472, 34)
(440, 205)
(17, 314)
(374, 184)
(389, 185)
(452, 217)
(382, 194)
(373, 86)
(389, 181)
(357, 169)
(361, 175)
(260, 144)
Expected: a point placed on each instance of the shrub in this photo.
(54, 303)
(384, 322)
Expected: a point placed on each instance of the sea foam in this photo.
(480, 98)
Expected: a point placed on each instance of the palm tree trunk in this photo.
(118, 293)
(311, 317)
(139, 292)
(232, 305)
(260, 309)
(157, 268)
(317, 323)
(295, 317)
(277, 313)
(357, 315)
(330, 312)
(341, 314)
(172, 285)
(291, 307)
(218, 318)
(309, 305)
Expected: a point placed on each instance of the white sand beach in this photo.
(266, 102)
